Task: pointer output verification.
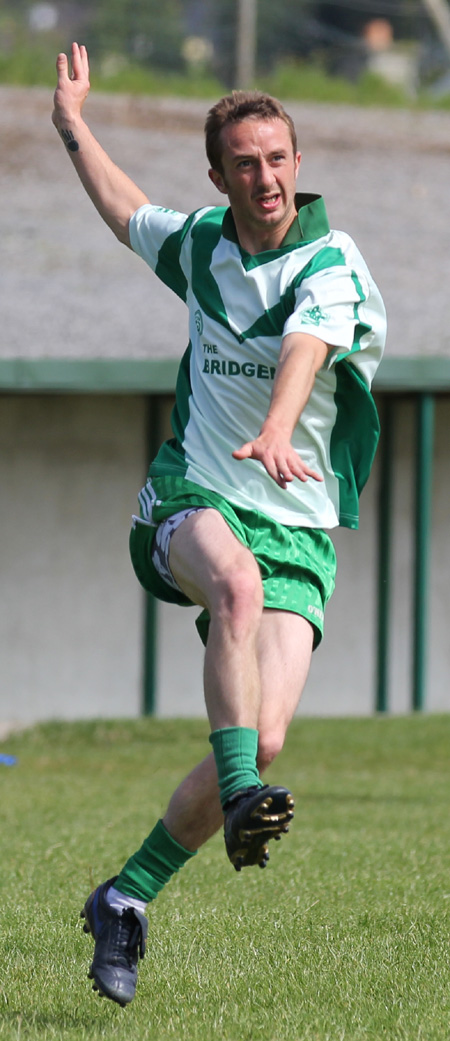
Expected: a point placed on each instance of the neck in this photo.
(259, 240)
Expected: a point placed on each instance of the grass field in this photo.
(344, 937)
(290, 80)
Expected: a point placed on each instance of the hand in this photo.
(279, 458)
(71, 91)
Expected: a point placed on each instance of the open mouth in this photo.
(268, 202)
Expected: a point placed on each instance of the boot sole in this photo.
(263, 825)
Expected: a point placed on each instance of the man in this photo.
(274, 434)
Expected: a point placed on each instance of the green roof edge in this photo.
(89, 376)
(158, 375)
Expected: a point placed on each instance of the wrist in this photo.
(69, 128)
(66, 120)
(279, 425)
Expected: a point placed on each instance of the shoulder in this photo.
(207, 218)
(344, 242)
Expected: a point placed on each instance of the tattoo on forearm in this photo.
(69, 140)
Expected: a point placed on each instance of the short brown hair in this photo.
(233, 108)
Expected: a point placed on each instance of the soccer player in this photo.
(274, 434)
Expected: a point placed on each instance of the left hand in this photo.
(72, 87)
(278, 457)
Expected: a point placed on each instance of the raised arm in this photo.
(301, 357)
(114, 195)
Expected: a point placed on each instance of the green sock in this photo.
(148, 870)
(235, 750)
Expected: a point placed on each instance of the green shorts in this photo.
(297, 565)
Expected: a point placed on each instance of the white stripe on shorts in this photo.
(161, 544)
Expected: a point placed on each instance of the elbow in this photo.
(122, 232)
(125, 240)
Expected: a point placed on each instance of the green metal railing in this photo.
(153, 441)
(423, 478)
(423, 499)
(384, 554)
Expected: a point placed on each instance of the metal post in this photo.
(384, 554)
(424, 476)
(150, 618)
(246, 44)
(439, 12)
(148, 707)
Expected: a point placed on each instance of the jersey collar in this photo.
(310, 223)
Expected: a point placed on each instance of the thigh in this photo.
(284, 654)
(204, 553)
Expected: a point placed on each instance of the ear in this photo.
(298, 159)
(218, 181)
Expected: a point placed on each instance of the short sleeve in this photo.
(157, 235)
(327, 306)
(341, 305)
(150, 227)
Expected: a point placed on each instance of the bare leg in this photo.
(284, 655)
(194, 813)
(215, 570)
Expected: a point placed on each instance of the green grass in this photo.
(291, 80)
(343, 938)
(307, 81)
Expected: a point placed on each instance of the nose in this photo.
(265, 174)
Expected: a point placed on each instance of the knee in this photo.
(269, 746)
(240, 598)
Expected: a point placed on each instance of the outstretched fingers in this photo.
(62, 67)
(277, 468)
(282, 466)
(80, 62)
(72, 87)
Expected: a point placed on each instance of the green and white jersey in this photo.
(240, 307)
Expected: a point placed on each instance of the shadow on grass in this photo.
(86, 1022)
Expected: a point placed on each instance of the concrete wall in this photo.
(72, 612)
(70, 607)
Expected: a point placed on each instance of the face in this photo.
(259, 171)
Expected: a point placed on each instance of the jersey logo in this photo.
(199, 322)
(313, 316)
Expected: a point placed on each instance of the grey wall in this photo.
(70, 607)
(72, 612)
